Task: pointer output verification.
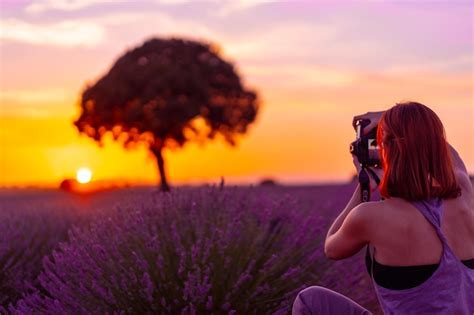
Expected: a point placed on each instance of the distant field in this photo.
(268, 234)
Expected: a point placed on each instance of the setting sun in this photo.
(84, 175)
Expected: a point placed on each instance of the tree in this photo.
(156, 93)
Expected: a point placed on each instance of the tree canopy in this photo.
(154, 94)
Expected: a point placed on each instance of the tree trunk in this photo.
(161, 167)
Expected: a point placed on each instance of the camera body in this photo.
(365, 146)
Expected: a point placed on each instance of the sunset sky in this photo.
(314, 64)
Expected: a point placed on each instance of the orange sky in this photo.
(309, 91)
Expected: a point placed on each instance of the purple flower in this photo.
(191, 251)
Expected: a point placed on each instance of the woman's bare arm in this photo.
(460, 171)
(350, 231)
(457, 161)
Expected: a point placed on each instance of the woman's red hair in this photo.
(415, 154)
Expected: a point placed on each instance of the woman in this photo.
(420, 236)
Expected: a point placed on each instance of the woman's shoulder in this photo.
(372, 215)
(392, 214)
(384, 207)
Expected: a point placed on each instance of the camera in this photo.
(365, 146)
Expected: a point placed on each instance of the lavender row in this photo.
(194, 251)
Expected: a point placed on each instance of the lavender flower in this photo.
(192, 251)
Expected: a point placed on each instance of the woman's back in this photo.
(434, 235)
(402, 236)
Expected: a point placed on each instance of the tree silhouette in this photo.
(156, 94)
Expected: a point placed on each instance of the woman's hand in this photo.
(374, 118)
(356, 163)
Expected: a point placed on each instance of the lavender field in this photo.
(208, 250)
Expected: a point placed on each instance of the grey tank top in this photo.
(449, 290)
